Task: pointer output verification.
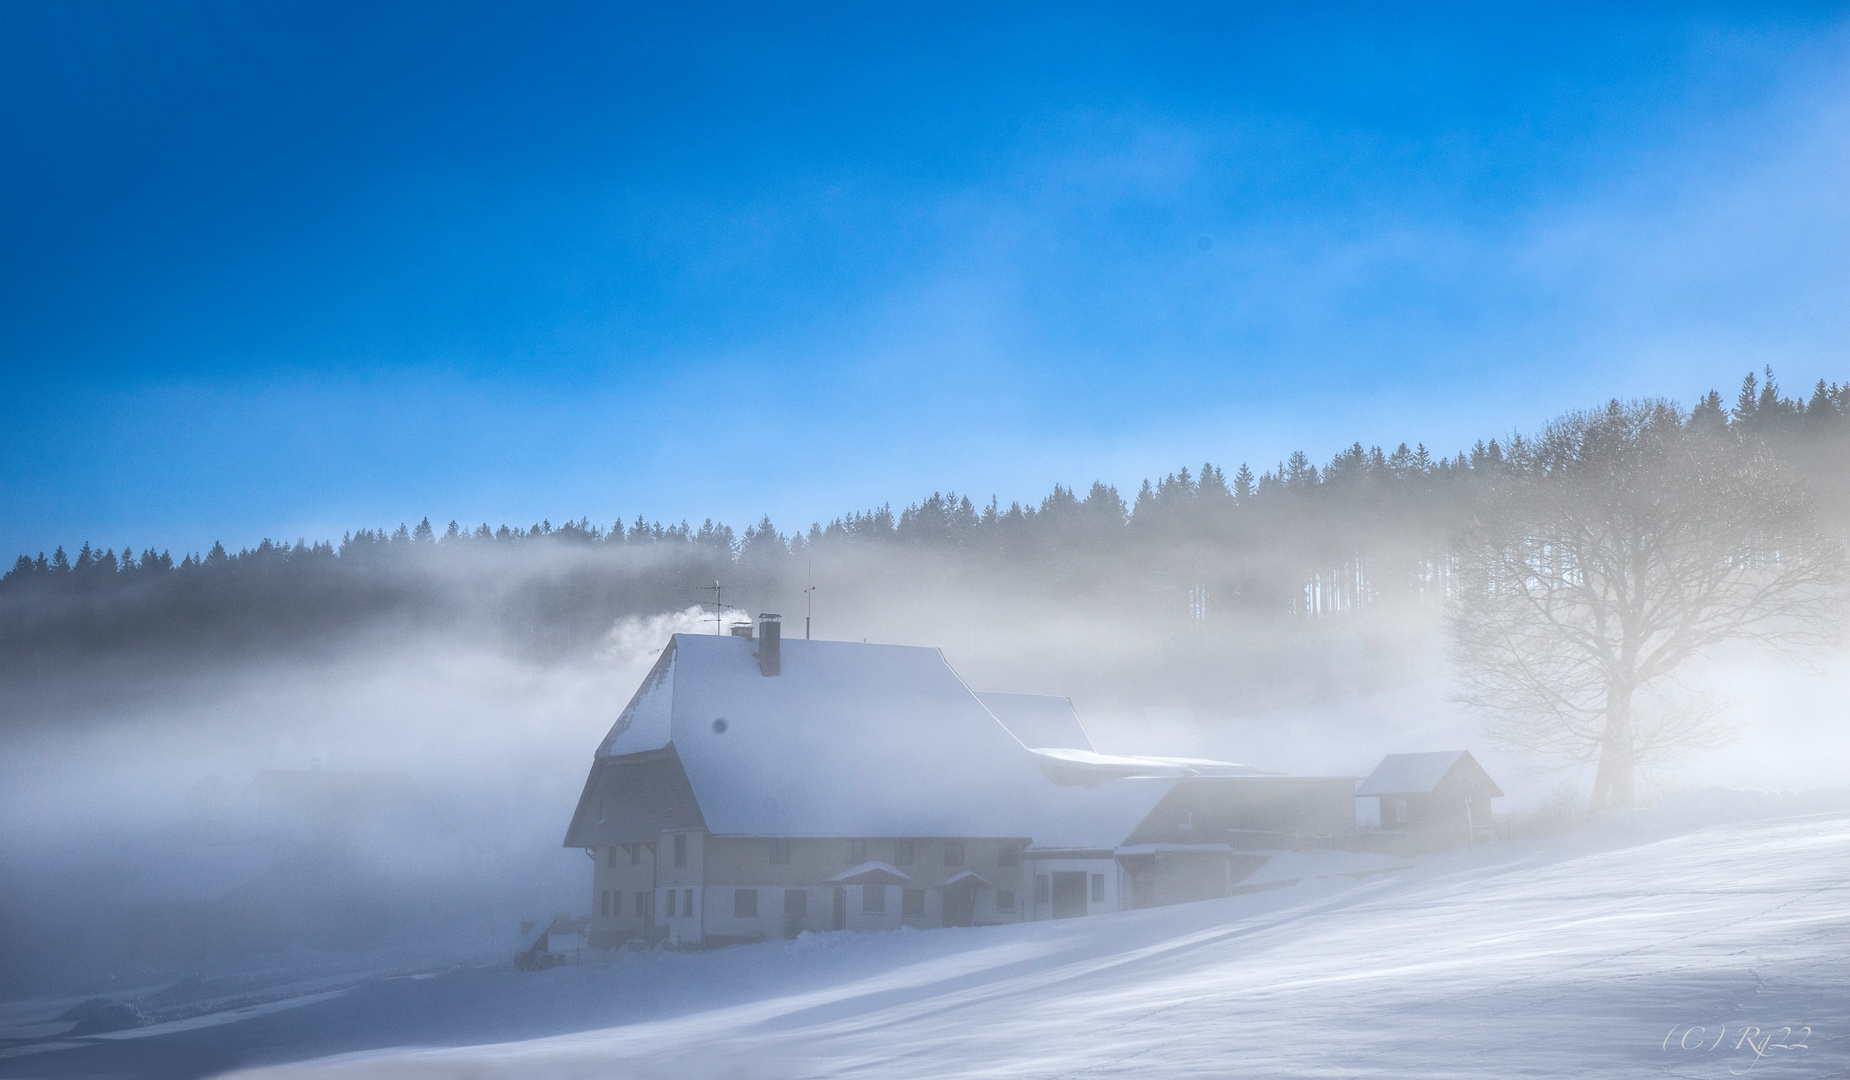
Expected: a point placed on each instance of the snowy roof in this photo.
(965, 875)
(855, 739)
(1412, 774)
(1037, 720)
(1067, 766)
(1155, 849)
(876, 873)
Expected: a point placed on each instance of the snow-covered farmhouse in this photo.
(755, 787)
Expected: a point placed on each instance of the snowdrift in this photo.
(1618, 953)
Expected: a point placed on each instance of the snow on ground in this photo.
(1631, 950)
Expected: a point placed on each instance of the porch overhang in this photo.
(965, 879)
(872, 873)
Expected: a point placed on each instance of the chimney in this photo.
(770, 658)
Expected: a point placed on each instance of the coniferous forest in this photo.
(1219, 566)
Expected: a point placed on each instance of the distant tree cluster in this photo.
(1371, 530)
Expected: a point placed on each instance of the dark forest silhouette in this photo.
(1369, 531)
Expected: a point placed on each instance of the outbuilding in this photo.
(1443, 797)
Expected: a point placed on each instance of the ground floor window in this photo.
(796, 901)
(1098, 887)
(912, 901)
(604, 906)
(669, 910)
(745, 903)
(643, 904)
(687, 901)
(1005, 899)
(1040, 888)
(873, 899)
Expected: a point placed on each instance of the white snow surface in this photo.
(1586, 956)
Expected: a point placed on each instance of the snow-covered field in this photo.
(1647, 945)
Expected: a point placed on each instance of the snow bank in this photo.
(1496, 963)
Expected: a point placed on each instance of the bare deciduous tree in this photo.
(1608, 553)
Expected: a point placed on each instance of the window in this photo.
(1008, 855)
(780, 853)
(635, 854)
(857, 852)
(953, 853)
(1400, 811)
(680, 849)
(669, 910)
(873, 899)
(1005, 900)
(687, 901)
(902, 853)
(610, 858)
(604, 909)
(645, 903)
(745, 903)
(912, 901)
(796, 902)
(1098, 888)
(616, 903)
(1040, 888)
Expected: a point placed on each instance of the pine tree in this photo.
(1707, 416)
(1747, 402)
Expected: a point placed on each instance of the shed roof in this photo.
(1417, 774)
(855, 739)
(1069, 766)
(1038, 721)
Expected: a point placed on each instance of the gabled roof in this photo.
(872, 873)
(965, 875)
(1038, 721)
(853, 739)
(1418, 774)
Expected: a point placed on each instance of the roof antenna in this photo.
(719, 609)
(808, 597)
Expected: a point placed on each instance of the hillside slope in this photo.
(1589, 958)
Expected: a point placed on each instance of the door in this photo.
(960, 903)
(1069, 894)
(841, 908)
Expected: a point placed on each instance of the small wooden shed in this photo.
(1446, 792)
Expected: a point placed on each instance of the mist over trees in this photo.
(1610, 551)
(1214, 572)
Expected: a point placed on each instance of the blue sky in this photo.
(290, 270)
